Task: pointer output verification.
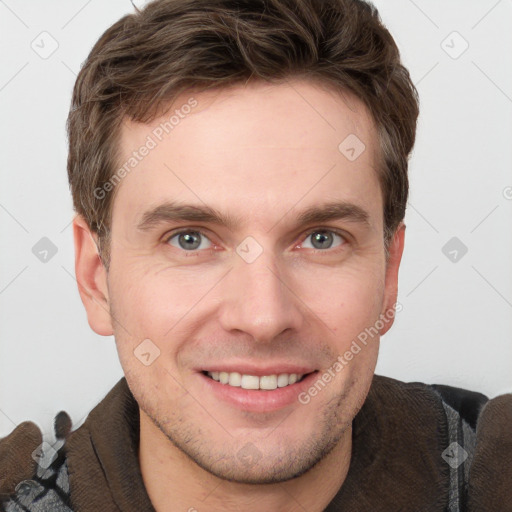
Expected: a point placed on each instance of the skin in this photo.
(263, 154)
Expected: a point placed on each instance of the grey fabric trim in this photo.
(459, 432)
(469, 437)
(38, 496)
(454, 493)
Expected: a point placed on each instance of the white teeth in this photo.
(235, 379)
(282, 380)
(266, 382)
(250, 382)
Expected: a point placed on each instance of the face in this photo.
(248, 247)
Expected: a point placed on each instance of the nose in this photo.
(258, 299)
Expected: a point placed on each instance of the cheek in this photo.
(147, 310)
(347, 299)
(157, 301)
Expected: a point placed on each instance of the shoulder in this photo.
(490, 482)
(490, 418)
(489, 475)
(466, 403)
(479, 443)
(34, 474)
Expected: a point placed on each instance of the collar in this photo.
(398, 437)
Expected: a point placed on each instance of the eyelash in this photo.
(197, 252)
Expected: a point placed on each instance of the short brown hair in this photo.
(146, 59)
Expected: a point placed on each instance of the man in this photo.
(239, 172)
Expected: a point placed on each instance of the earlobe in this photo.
(396, 249)
(91, 277)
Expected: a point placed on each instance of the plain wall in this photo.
(455, 327)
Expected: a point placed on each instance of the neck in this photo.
(173, 481)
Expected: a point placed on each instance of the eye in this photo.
(324, 239)
(188, 240)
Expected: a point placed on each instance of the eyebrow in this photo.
(172, 212)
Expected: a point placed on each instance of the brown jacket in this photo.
(403, 455)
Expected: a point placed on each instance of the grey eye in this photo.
(188, 240)
(323, 239)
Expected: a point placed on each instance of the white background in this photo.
(455, 327)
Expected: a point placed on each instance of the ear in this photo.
(396, 249)
(91, 277)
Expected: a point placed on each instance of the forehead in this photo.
(253, 148)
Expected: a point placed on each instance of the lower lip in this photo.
(254, 400)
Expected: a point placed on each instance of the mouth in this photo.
(255, 382)
(264, 393)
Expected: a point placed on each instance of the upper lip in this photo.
(259, 371)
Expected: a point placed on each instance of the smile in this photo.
(271, 389)
(264, 382)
